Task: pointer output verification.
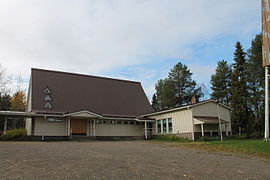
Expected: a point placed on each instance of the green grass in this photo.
(251, 147)
(258, 148)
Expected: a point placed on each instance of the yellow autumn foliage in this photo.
(18, 101)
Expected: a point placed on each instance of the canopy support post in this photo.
(5, 125)
(145, 129)
(220, 127)
(202, 130)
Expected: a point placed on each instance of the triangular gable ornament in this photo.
(48, 105)
(47, 98)
(47, 91)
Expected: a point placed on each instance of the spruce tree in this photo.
(155, 102)
(239, 90)
(256, 83)
(221, 82)
(5, 102)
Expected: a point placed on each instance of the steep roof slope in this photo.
(75, 92)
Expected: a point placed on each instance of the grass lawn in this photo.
(258, 148)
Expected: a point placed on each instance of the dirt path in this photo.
(122, 160)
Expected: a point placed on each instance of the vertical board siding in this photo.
(181, 120)
(50, 128)
(119, 130)
(210, 110)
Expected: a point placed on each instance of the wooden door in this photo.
(78, 126)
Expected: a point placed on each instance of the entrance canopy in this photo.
(17, 113)
(207, 120)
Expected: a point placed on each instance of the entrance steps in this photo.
(91, 138)
(81, 138)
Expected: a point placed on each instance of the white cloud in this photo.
(96, 37)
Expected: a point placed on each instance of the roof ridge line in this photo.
(87, 75)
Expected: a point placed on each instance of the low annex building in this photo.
(206, 118)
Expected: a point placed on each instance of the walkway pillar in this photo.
(202, 130)
(43, 129)
(5, 125)
(94, 128)
(145, 129)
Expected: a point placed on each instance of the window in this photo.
(164, 123)
(170, 124)
(164, 126)
(55, 120)
(159, 126)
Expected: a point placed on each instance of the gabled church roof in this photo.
(71, 92)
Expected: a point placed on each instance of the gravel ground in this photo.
(122, 160)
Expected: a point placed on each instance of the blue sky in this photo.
(138, 40)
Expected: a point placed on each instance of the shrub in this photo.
(15, 134)
(170, 138)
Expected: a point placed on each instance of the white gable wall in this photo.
(28, 121)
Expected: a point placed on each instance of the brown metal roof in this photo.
(76, 92)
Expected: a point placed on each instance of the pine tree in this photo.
(221, 82)
(239, 90)
(256, 83)
(177, 89)
(184, 86)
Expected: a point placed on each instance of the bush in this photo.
(170, 138)
(15, 134)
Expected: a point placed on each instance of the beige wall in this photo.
(50, 128)
(29, 96)
(181, 120)
(60, 129)
(28, 126)
(210, 110)
(119, 130)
